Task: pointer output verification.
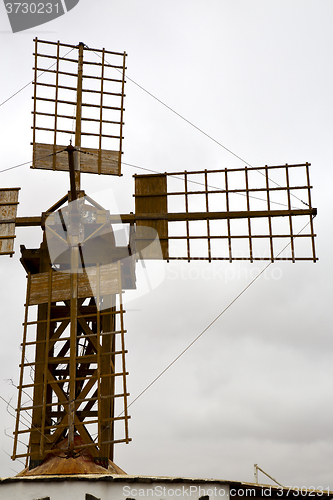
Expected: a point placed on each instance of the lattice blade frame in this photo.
(244, 213)
(80, 96)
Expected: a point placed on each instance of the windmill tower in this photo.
(74, 318)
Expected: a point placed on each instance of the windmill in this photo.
(73, 349)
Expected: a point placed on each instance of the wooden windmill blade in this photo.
(85, 88)
(8, 210)
(226, 215)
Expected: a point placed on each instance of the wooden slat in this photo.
(222, 191)
(47, 42)
(6, 240)
(34, 120)
(46, 354)
(54, 157)
(228, 220)
(242, 236)
(66, 73)
(87, 285)
(292, 244)
(8, 210)
(269, 218)
(122, 108)
(101, 117)
(19, 401)
(50, 56)
(239, 169)
(110, 160)
(248, 208)
(106, 410)
(154, 206)
(183, 216)
(245, 258)
(8, 204)
(311, 217)
(207, 210)
(122, 328)
(187, 222)
(98, 353)
(52, 85)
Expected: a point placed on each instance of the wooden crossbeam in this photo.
(184, 216)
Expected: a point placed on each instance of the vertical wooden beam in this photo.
(106, 412)
(42, 440)
(311, 217)
(74, 249)
(72, 173)
(99, 399)
(79, 114)
(269, 218)
(228, 210)
(56, 108)
(208, 225)
(122, 113)
(292, 243)
(248, 209)
(36, 421)
(122, 333)
(101, 115)
(35, 101)
(19, 401)
(187, 222)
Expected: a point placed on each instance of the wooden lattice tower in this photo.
(73, 342)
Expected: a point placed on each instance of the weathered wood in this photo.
(87, 284)
(47, 42)
(183, 216)
(8, 210)
(43, 159)
(146, 245)
(238, 169)
(41, 332)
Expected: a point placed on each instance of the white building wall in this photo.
(32, 489)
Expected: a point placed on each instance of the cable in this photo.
(9, 98)
(214, 321)
(196, 127)
(27, 162)
(22, 416)
(207, 135)
(194, 182)
(147, 170)
(16, 166)
(173, 111)
(27, 85)
(202, 184)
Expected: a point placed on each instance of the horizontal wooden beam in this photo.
(183, 216)
(188, 216)
(27, 221)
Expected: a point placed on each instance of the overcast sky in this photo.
(257, 76)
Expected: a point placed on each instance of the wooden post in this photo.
(74, 169)
(73, 238)
(78, 117)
